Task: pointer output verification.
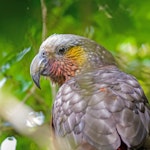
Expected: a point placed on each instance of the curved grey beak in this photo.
(36, 68)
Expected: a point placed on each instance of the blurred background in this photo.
(121, 26)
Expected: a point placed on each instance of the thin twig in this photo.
(44, 33)
(32, 90)
(44, 21)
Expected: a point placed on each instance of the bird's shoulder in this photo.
(102, 104)
(105, 84)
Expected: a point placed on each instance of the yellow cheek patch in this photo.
(77, 54)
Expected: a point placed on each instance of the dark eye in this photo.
(61, 50)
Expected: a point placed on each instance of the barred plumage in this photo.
(98, 107)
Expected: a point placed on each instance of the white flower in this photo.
(9, 144)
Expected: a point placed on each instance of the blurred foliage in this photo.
(121, 26)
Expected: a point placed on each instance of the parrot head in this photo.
(62, 56)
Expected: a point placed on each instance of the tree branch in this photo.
(44, 21)
(44, 33)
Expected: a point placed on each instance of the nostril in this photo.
(43, 54)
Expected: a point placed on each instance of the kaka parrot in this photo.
(97, 107)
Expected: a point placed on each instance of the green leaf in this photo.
(15, 58)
